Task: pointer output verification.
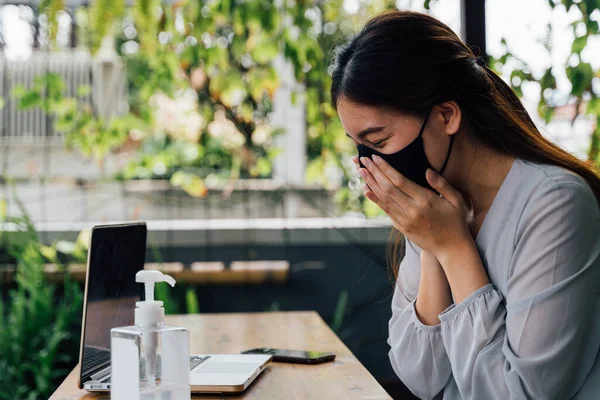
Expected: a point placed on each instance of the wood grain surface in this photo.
(345, 378)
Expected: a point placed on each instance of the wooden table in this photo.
(345, 378)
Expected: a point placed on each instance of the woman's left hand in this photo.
(436, 224)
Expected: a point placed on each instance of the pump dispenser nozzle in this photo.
(149, 278)
(150, 311)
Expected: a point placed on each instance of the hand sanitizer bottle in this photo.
(150, 360)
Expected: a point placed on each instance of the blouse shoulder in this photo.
(552, 189)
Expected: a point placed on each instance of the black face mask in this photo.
(411, 161)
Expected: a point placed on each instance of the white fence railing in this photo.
(33, 126)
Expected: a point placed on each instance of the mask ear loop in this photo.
(424, 123)
(449, 147)
(447, 155)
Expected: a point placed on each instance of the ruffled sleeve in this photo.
(417, 354)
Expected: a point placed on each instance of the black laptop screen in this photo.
(116, 254)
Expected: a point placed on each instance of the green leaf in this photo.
(191, 300)
(593, 106)
(2, 103)
(228, 88)
(261, 80)
(48, 252)
(263, 167)
(580, 77)
(263, 48)
(65, 106)
(51, 9)
(190, 183)
(545, 111)
(163, 293)
(579, 44)
(65, 247)
(84, 90)
(340, 311)
(18, 91)
(548, 81)
(29, 100)
(592, 26)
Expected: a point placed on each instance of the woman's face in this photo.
(390, 131)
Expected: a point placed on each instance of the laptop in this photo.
(116, 254)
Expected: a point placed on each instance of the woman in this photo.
(497, 294)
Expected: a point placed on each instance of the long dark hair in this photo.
(409, 61)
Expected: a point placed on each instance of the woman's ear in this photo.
(452, 116)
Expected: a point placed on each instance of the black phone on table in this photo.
(294, 356)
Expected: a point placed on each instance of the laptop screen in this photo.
(116, 254)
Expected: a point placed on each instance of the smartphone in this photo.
(294, 356)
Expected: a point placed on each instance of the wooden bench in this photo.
(199, 273)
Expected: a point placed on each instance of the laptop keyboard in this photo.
(94, 357)
(194, 362)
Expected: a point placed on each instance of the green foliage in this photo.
(190, 183)
(75, 119)
(340, 311)
(191, 301)
(178, 300)
(52, 8)
(223, 52)
(579, 73)
(308, 44)
(102, 16)
(39, 326)
(164, 293)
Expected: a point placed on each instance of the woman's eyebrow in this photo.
(367, 131)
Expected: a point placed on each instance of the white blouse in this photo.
(534, 331)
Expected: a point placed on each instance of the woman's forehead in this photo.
(356, 116)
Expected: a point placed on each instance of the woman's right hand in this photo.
(366, 188)
(471, 222)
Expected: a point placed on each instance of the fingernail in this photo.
(431, 175)
(362, 172)
(376, 158)
(365, 160)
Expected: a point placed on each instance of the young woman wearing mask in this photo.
(497, 296)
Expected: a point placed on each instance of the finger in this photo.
(369, 193)
(413, 190)
(392, 211)
(369, 180)
(385, 189)
(355, 161)
(373, 197)
(439, 183)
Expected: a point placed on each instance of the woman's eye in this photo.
(379, 143)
